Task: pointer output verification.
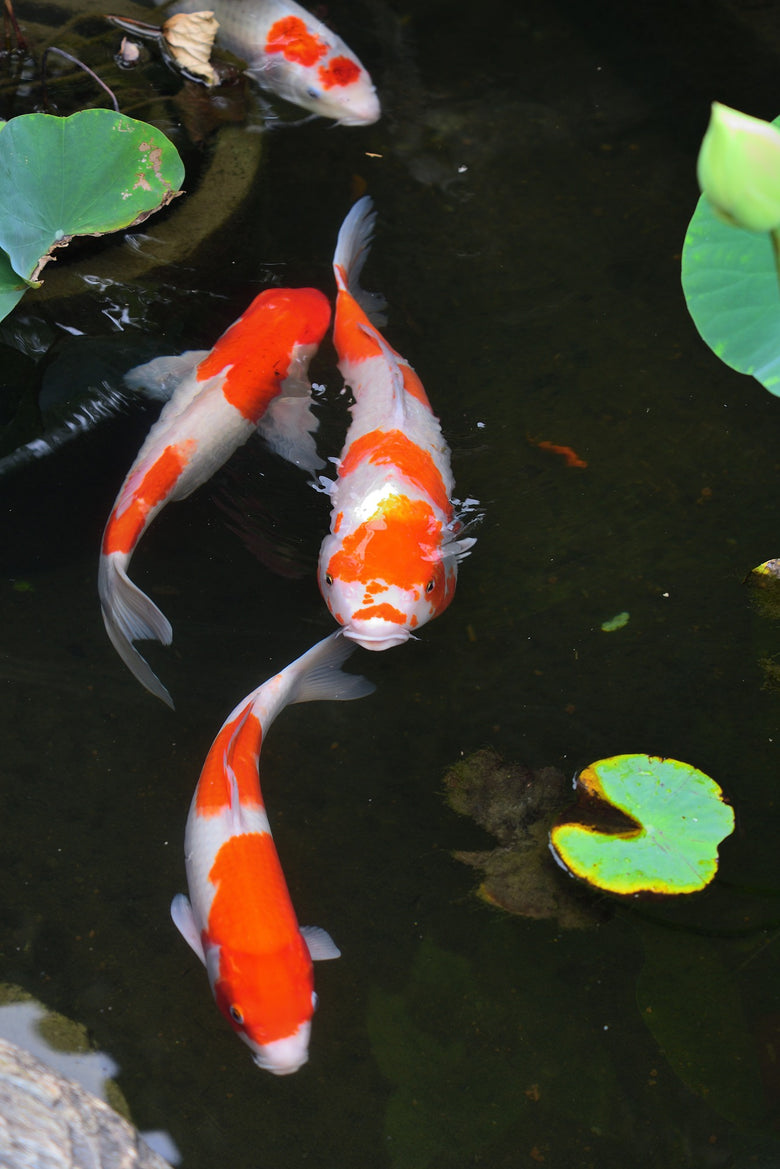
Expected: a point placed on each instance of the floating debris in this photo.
(616, 622)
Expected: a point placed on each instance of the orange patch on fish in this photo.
(242, 748)
(253, 346)
(290, 37)
(443, 589)
(413, 385)
(397, 545)
(253, 981)
(386, 611)
(126, 524)
(339, 71)
(570, 456)
(392, 448)
(352, 342)
(249, 881)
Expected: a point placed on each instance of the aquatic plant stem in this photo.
(81, 65)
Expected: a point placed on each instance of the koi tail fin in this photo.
(317, 674)
(314, 677)
(128, 615)
(352, 248)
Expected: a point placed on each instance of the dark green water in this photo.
(535, 178)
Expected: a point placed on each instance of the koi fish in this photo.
(291, 53)
(390, 562)
(255, 378)
(569, 455)
(240, 920)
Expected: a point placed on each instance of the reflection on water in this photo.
(64, 1046)
(533, 177)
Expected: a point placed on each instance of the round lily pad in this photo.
(730, 282)
(673, 819)
(94, 172)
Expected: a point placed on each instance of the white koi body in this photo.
(291, 53)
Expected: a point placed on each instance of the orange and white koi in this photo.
(390, 562)
(291, 53)
(239, 919)
(255, 378)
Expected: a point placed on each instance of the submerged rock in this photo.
(46, 1119)
(518, 806)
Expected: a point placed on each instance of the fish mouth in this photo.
(377, 641)
(279, 1069)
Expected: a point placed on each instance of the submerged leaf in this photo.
(674, 818)
(94, 172)
(688, 999)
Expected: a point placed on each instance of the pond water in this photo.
(533, 175)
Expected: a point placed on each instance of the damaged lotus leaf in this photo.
(189, 38)
(94, 172)
(672, 820)
(730, 282)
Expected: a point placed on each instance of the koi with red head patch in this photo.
(291, 53)
(255, 378)
(239, 918)
(390, 562)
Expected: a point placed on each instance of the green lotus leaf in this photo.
(730, 282)
(94, 172)
(12, 286)
(673, 819)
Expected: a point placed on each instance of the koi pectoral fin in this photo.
(320, 944)
(181, 912)
(288, 426)
(159, 377)
(129, 614)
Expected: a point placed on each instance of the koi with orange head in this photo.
(239, 918)
(255, 378)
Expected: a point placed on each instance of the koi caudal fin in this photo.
(317, 674)
(352, 248)
(128, 615)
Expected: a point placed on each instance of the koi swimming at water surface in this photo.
(255, 378)
(239, 918)
(291, 53)
(390, 562)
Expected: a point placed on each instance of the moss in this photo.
(518, 806)
(63, 1034)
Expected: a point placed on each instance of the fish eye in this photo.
(328, 579)
(313, 93)
(236, 1014)
(430, 585)
(315, 1002)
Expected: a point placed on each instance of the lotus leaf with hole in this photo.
(94, 172)
(673, 819)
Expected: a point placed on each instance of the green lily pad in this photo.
(731, 287)
(673, 819)
(94, 172)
